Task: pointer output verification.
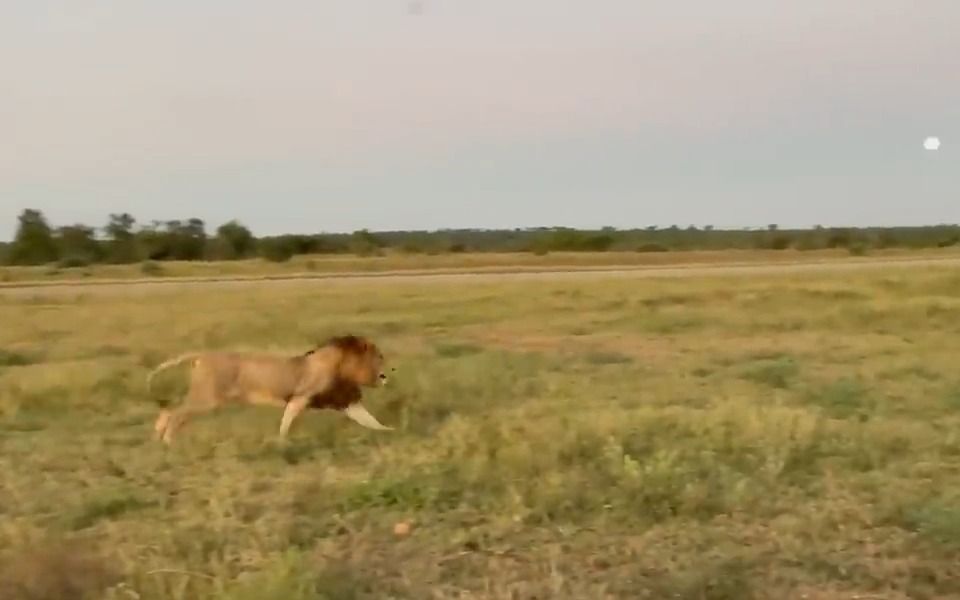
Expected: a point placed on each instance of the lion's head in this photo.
(361, 360)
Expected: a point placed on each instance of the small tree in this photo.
(34, 243)
(278, 249)
(839, 238)
(181, 240)
(780, 242)
(364, 243)
(191, 240)
(235, 241)
(122, 241)
(78, 245)
(154, 242)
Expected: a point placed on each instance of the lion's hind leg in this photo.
(179, 417)
(203, 397)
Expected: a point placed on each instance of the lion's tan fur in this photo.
(338, 368)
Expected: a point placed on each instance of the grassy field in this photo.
(400, 262)
(692, 438)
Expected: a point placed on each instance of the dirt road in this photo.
(478, 275)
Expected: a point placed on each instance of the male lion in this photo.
(329, 376)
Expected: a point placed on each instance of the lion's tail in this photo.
(173, 362)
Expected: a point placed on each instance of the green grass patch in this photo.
(778, 373)
(936, 520)
(844, 398)
(106, 506)
(13, 358)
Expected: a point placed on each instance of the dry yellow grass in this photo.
(712, 437)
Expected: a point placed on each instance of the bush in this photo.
(10, 358)
(781, 242)
(807, 243)
(858, 249)
(364, 243)
(839, 238)
(151, 268)
(597, 243)
(277, 251)
(73, 262)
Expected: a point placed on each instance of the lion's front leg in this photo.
(291, 412)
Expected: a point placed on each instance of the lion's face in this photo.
(364, 363)
(376, 367)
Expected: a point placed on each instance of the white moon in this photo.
(931, 143)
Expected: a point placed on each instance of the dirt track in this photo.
(701, 270)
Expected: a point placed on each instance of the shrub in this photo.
(781, 242)
(277, 251)
(73, 262)
(10, 358)
(151, 268)
(858, 249)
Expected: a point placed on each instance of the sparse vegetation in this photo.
(124, 241)
(683, 443)
(778, 372)
(151, 268)
(43, 568)
(13, 358)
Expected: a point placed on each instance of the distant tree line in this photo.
(123, 240)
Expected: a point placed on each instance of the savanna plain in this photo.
(755, 436)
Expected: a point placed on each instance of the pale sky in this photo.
(334, 115)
